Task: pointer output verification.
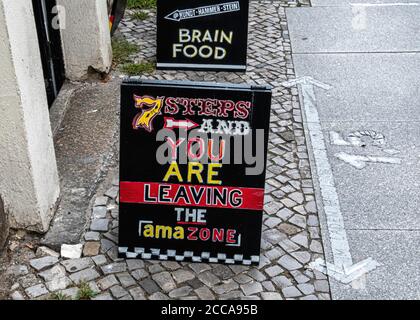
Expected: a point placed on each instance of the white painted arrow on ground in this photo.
(343, 268)
(360, 162)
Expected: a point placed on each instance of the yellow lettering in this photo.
(165, 232)
(211, 173)
(179, 233)
(173, 171)
(195, 169)
(225, 37)
(148, 231)
(150, 109)
(207, 36)
(184, 35)
(196, 34)
(177, 47)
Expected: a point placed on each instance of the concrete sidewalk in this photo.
(366, 157)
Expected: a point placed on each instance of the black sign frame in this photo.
(202, 34)
(141, 176)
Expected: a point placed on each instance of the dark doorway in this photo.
(50, 47)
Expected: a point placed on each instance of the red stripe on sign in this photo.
(192, 223)
(192, 195)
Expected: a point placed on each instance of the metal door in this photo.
(50, 46)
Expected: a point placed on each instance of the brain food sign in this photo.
(192, 171)
(202, 34)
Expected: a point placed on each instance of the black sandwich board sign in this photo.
(202, 34)
(181, 197)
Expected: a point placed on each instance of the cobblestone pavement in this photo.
(291, 236)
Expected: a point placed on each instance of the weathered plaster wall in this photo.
(29, 182)
(85, 37)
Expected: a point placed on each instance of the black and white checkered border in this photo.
(158, 254)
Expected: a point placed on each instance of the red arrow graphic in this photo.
(171, 123)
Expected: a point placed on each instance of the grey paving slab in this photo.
(341, 3)
(373, 87)
(397, 278)
(354, 29)
(366, 53)
(377, 92)
(381, 195)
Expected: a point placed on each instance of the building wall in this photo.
(85, 36)
(29, 184)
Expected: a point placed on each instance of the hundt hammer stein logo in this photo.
(184, 14)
